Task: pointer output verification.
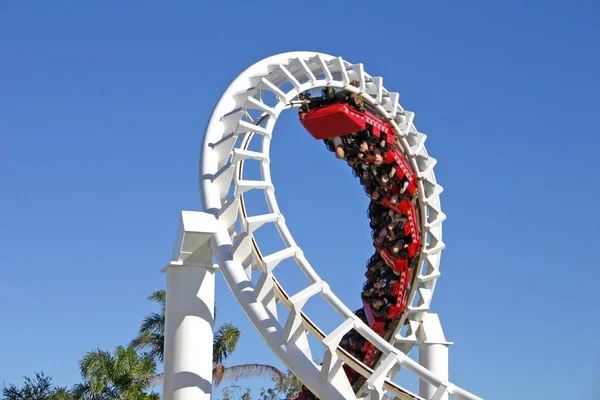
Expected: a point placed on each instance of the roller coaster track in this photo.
(245, 112)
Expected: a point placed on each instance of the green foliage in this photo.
(63, 393)
(123, 375)
(151, 335)
(284, 389)
(234, 392)
(38, 388)
(246, 395)
(129, 372)
(291, 385)
(268, 394)
(224, 343)
(151, 339)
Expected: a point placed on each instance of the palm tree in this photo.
(151, 338)
(38, 388)
(124, 375)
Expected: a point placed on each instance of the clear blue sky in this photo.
(102, 111)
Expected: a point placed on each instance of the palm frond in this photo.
(153, 344)
(39, 387)
(124, 374)
(236, 372)
(157, 380)
(154, 323)
(145, 370)
(61, 393)
(218, 374)
(225, 342)
(80, 390)
(124, 360)
(159, 296)
(96, 368)
(151, 336)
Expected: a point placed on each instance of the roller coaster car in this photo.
(411, 228)
(402, 268)
(339, 119)
(404, 170)
(338, 114)
(396, 264)
(378, 323)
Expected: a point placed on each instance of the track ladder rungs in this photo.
(302, 67)
(320, 61)
(431, 191)
(419, 140)
(406, 124)
(331, 362)
(241, 155)
(391, 104)
(359, 71)
(337, 65)
(380, 374)
(272, 260)
(241, 97)
(375, 89)
(438, 219)
(285, 73)
(255, 222)
(425, 165)
(255, 104)
(245, 185)
(245, 126)
(266, 84)
(429, 277)
(294, 320)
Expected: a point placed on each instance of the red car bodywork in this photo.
(341, 119)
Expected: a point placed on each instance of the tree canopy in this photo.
(129, 373)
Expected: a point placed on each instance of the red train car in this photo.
(342, 119)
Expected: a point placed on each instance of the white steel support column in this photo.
(189, 332)
(433, 355)
(190, 311)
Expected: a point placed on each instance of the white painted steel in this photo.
(433, 355)
(237, 251)
(189, 314)
(189, 333)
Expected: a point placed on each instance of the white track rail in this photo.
(233, 124)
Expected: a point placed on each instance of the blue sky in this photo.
(102, 113)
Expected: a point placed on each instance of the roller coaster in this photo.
(364, 125)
